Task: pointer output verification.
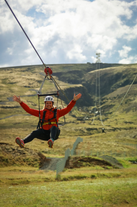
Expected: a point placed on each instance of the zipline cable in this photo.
(97, 91)
(25, 33)
(124, 95)
(121, 100)
(35, 50)
(95, 98)
(57, 85)
(100, 99)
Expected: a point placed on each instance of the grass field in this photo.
(72, 193)
(85, 187)
(24, 185)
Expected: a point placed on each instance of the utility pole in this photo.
(98, 57)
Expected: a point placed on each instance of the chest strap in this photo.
(45, 123)
(41, 121)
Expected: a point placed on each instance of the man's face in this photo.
(48, 104)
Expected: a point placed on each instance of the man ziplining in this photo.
(49, 117)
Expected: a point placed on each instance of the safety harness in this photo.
(41, 121)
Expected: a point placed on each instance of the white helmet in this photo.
(49, 98)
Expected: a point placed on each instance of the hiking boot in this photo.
(20, 142)
(50, 142)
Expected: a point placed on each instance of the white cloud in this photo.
(131, 33)
(129, 60)
(6, 25)
(93, 59)
(76, 53)
(124, 53)
(9, 51)
(126, 58)
(23, 6)
(68, 30)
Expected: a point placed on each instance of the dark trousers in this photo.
(43, 134)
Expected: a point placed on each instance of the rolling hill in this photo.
(101, 84)
(108, 100)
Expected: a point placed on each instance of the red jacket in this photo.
(49, 113)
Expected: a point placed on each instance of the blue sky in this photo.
(68, 31)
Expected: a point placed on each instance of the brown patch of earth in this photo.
(11, 155)
(77, 162)
(14, 155)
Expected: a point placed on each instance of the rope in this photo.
(39, 109)
(39, 91)
(59, 88)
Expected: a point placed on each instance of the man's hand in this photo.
(17, 99)
(76, 97)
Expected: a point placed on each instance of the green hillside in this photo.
(105, 117)
(102, 85)
(103, 104)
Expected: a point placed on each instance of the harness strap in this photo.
(43, 118)
(41, 121)
(45, 123)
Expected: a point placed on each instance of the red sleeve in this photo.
(66, 110)
(33, 112)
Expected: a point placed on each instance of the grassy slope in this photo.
(120, 125)
(119, 130)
